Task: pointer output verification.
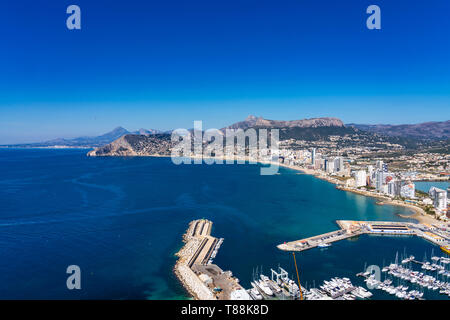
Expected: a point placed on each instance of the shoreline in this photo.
(417, 212)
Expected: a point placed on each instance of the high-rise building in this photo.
(439, 198)
(313, 156)
(379, 165)
(394, 187)
(318, 164)
(379, 180)
(382, 179)
(330, 166)
(338, 164)
(360, 178)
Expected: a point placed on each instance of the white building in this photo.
(408, 190)
(379, 165)
(379, 180)
(439, 198)
(382, 179)
(370, 170)
(394, 187)
(350, 183)
(360, 178)
(330, 166)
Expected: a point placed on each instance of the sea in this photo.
(426, 185)
(121, 220)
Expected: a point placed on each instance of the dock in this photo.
(194, 268)
(351, 228)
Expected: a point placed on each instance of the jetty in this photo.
(437, 234)
(194, 268)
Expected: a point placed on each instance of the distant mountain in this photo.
(146, 132)
(160, 144)
(426, 130)
(87, 142)
(315, 129)
(259, 122)
(306, 129)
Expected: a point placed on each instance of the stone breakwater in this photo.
(194, 268)
(193, 239)
(188, 278)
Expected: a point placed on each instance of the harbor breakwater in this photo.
(194, 268)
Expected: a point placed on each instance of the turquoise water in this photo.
(122, 219)
(426, 185)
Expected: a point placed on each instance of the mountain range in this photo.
(88, 142)
(305, 129)
(425, 130)
(259, 122)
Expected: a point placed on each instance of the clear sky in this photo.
(163, 64)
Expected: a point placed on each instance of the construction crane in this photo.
(298, 278)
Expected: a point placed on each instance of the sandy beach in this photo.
(418, 213)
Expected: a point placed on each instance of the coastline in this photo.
(46, 147)
(417, 213)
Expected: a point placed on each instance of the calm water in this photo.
(122, 219)
(426, 185)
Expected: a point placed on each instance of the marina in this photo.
(207, 281)
(402, 280)
(438, 234)
(281, 287)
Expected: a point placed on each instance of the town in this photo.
(385, 177)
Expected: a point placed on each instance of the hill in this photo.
(425, 130)
(86, 142)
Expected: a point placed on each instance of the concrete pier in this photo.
(350, 228)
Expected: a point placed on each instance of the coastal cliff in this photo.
(136, 145)
(160, 144)
(331, 132)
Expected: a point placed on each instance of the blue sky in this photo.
(164, 64)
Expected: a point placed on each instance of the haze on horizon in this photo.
(163, 65)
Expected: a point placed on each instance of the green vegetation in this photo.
(421, 193)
